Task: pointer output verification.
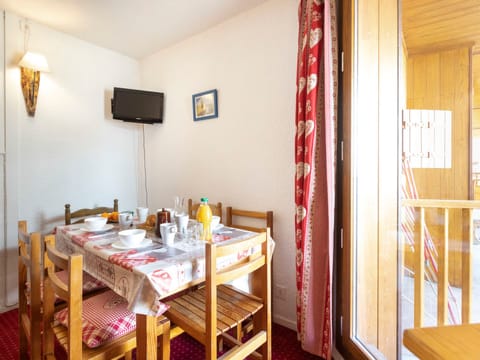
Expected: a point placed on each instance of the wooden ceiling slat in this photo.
(428, 24)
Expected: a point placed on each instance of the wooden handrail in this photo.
(467, 207)
(436, 203)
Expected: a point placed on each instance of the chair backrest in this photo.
(30, 272)
(81, 214)
(236, 218)
(193, 207)
(257, 262)
(70, 292)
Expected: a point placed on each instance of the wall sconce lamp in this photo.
(31, 65)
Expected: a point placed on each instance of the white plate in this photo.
(106, 227)
(119, 245)
(218, 227)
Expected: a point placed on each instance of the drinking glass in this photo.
(193, 232)
(179, 206)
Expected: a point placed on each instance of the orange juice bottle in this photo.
(204, 216)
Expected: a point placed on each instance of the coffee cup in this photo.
(168, 231)
(172, 214)
(125, 219)
(142, 213)
(182, 223)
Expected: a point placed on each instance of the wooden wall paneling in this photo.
(476, 125)
(417, 66)
(461, 151)
(447, 101)
(410, 85)
(441, 81)
(425, 94)
(432, 81)
(402, 86)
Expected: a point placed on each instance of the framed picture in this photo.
(205, 105)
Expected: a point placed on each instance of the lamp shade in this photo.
(34, 61)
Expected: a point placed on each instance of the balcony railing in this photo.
(442, 262)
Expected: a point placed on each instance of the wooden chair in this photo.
(248, 215)
(193, 207)
(71, 337)
(214, 309)
(29, 310)
(256, 221)
(81, 214)
(31, 271)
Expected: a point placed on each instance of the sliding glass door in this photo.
(409, 234)
(367, 308)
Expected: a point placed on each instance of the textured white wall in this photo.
(71, 151)
(245, 157)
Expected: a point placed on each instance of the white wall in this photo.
(71, 151)
(244, 158)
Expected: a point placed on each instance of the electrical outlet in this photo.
(280, 292)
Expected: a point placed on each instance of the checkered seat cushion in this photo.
(104, 317)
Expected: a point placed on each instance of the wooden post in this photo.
(419, 273)
(442, 305)
(467, 241)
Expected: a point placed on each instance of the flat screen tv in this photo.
(138, 106)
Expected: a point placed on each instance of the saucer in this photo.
(106, 227)
(218, 227)
(119, 245)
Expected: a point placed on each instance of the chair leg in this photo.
(163, 333)
(23, 345)
(220, 344)
(239, 332)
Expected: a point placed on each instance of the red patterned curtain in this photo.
(315, 172)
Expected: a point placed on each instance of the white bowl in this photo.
(95, 222)
(215, 222)
(132, 237)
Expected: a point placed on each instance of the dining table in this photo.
(147, 273)
(459, 342)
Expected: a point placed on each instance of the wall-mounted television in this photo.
(138, 106)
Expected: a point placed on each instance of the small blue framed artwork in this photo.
(205, 105)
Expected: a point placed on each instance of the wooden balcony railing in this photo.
(442, 240)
